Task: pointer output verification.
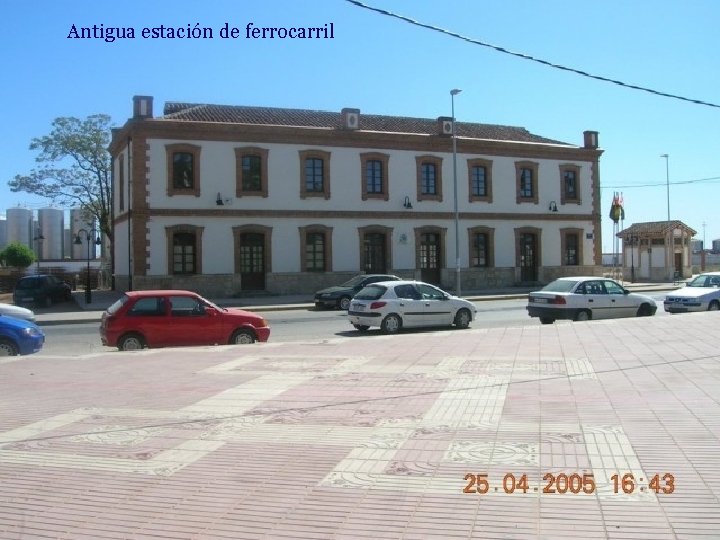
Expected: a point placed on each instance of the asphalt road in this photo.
(296, 325)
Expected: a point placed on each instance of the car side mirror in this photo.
(211, 311)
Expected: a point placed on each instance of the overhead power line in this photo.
(710, 180)
(529, 57)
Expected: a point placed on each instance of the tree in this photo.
(75, 167)
(17, 255)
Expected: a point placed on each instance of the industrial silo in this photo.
(20, 226)
(51, 223)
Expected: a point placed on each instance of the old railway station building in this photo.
(226, 200)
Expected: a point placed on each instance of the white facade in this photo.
(546, 225)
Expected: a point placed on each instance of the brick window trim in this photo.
(247, 151)
(437, 161)
(564, 233)
(309, 229)
(384, 160)
(533, 166)
(171, 231)
(576, 169)
(325, 157)
(193, 149)
(490, 232)
(488, 180)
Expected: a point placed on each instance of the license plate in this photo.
(26, 299)
(540, 300)
(359, 307)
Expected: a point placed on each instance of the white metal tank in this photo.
(20, 226)
(51, 223)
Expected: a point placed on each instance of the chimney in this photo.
(351, 118)
(142, 107)
(591, 139)
(445, 125)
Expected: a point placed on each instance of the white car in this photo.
(702, 293)
(393, 305)
(585, 298)
(9, 310)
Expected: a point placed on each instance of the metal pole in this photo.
(88, 292)
(667, 181)
(453, 93)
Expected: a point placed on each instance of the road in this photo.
(296, 325)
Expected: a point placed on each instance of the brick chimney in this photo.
(142, 107)
(591, 139)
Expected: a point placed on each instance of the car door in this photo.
(408, 304)
(621, 304)
(435, 310)
(593, 297)
(192, 324)
(148, 316)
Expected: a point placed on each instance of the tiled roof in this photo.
(655, 227)
(235, 114)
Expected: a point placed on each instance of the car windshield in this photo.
(29, 284)
(371, 292)
(354, 281)
(560, 285)
(705, 280)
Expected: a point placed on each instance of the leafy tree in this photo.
(74, 167)
(18, 255)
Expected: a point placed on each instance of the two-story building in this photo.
(225, 199)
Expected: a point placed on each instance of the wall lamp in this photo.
(407, 204)
(553, 206)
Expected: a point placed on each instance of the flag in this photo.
(617, 212)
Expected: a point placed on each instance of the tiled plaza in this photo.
(606, 429)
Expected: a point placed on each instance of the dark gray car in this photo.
(340, 295)
(41, 290)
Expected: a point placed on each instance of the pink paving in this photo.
(373, 437)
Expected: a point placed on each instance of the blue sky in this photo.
(385, 66)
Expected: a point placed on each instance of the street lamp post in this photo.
(667, 181)
(37, 239)
(78, 242)
(454, 92)
(633, 240)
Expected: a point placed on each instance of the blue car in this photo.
(19, 337)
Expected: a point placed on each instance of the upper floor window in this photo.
(121, 182)
(251, 172)
(429, 178)
(374, 175)
(570, 186)
(480, 180)
(183, 169)
(315, 174)
(526, 173)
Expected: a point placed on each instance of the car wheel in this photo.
(131, 342)
(8, 348)
(463, 318)
(391, 324)
(361, 327)
(344, 303)
(546, 320)
(583, 315)
(644, 311)
(714, 306)
(242, 337)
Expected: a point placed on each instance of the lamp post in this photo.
(667, 181)
(454, 92)
(78, 242)
(37, 239)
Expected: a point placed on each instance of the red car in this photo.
(168, 318)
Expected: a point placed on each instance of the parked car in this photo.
(585, 298)
(18, 336)
(339, 296)
(171, 318)
(18, 312)
(393, 305)
(702, 293)
(42, 290)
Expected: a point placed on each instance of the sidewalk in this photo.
(602, 430)
(82, 312)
